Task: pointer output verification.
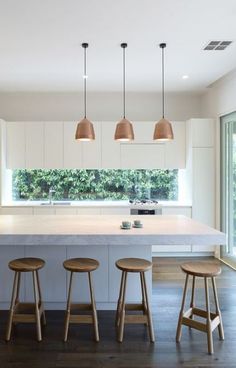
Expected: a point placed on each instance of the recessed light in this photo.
(185, 76)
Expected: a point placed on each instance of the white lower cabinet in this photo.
(9, 253)
(114, 211)
(16, 210)
(80, 291)
(133, 291)
(88, 211)
(52, 275)
(44, 210)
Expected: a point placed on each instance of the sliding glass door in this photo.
(228, 185)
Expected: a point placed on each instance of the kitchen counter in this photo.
(95, 230)
(56, 238)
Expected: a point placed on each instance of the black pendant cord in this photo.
(124, 45)
(163, 85)
(124, 82)
(85, 82)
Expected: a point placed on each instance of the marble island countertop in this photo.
(102, 229)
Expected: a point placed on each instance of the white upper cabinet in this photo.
(34, 145)
(175, 151)
(53, 147)
(72, 148)
(142, 156)
(143, 131)
(15, 147)
(110, 148)
(92, 150)
(203, 132)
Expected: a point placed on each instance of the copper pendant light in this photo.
(163, 129)
(124, 129)
(84, 130)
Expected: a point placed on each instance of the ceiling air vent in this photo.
(217, 45)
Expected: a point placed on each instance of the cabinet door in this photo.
(142, 156)
(185, 211)
(53, 145)
(203, 132)
(92, 150)
(204, 186)
(143, 131)
(80, 291)
(16, 211)
(72, 148)
(110, 148)
(34, 145)
(115, 210)
(52, 276)
(15, 147)
(6, 275)
(175, 151)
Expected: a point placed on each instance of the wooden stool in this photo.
(19, 312)
(81, 265)
(133, 265)
(213, 320)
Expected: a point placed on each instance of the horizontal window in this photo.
(94, 184)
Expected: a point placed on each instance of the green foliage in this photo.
(95, 184)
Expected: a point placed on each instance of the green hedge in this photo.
(95, 184)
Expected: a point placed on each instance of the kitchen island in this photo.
(56, 238)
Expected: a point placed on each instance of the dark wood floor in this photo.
(136, 351)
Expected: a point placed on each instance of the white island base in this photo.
(56, 238)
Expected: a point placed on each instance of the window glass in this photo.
(94, 184)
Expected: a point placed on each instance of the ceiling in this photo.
(40, 43)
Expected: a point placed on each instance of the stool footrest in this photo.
(136, 318)
(81, 306)
(81, 318)
(187, 321)
(134, 307)
(25, 312)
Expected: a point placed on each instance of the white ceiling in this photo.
(40, 43)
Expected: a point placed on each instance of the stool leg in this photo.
(118, 309)
(12, 307)
(67, 320)
(209, 332)
(192, 296)
(179, 327)
(149, 315)
(37, 313)
(40, 298)
(18, 289)
(218, 312)
(122, 312)
(95, 318)
(144, 303)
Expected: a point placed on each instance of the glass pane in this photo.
(228, 183)
(94, 184)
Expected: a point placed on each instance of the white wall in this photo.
(219, 100)
(101, 106)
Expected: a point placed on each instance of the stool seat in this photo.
(201, 269)
(133, 264)
(81, 264)
(26, 264)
